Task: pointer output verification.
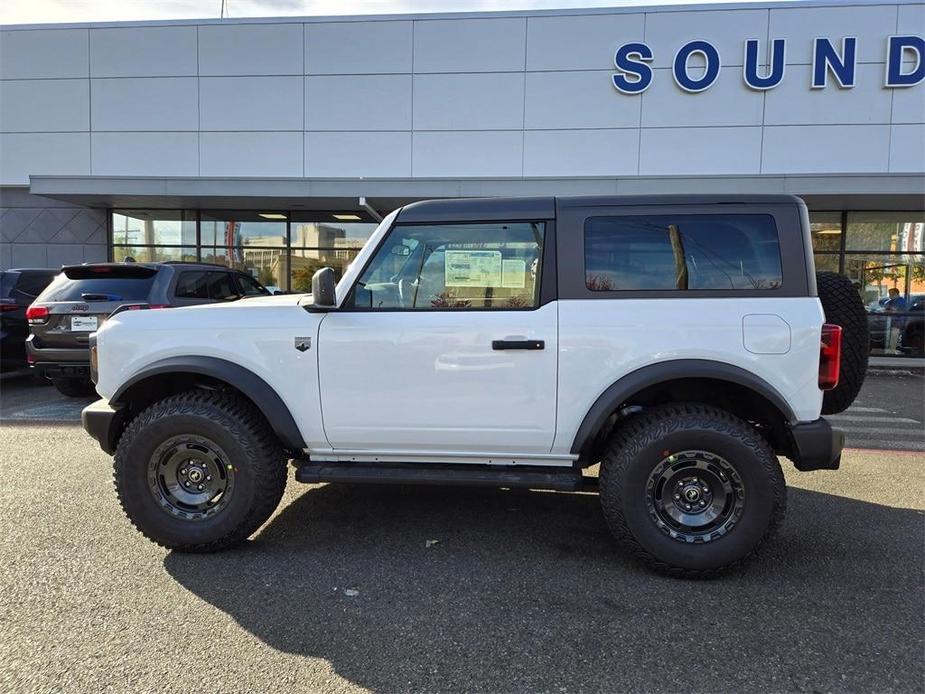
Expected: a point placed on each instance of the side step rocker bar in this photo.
(521, 477)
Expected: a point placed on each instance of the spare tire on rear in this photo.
(843, 306)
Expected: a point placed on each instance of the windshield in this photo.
(348, 278)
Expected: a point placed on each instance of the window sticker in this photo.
(513, 273)
(473, 268)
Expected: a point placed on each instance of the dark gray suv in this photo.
(80, 299)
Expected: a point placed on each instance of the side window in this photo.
(193, 285)
(221, 287)
(454, 266)
(32, 283)
(682, 252)
(251, 287)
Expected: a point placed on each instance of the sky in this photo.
(51, 11)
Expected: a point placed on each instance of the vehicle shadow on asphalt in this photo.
(526, 590)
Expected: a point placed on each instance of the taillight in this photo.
(36, 315)
(159, 306)
(7, 305)
(829, 356)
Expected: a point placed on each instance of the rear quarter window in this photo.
(682, 252)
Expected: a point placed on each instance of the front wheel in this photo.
(199, 471)
(690, 489)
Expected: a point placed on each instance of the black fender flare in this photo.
(255, 388)
(635, 381)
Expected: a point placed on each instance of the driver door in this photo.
(444, 345)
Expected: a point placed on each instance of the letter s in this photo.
(631, 58)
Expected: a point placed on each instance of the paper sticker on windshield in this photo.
(473, 269)
(513, 273)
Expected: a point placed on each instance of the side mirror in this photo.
(323, 289)
(401, 250)
(278, 292)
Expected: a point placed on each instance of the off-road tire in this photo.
(637, 447)
(241, 431)
(843, 306)
(73, 387)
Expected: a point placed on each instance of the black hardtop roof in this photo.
(500, 209)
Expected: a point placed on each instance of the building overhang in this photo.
(835, 192)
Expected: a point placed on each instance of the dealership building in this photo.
(275, 144)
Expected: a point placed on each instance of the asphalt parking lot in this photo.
(345, 589)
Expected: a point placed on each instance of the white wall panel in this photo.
(826, 149)
(44, 105)
(581, 42)
(250, 154)
(800, 25)
(470, 45)
(581, 152)
(250, 49)
(358, 102)
(793, 102)
(705, 151)
(911, 19)
(909, 105)
(151, 104)
(727, 102)
(145, 154)
(584, 99)
(907, 148)
(250, 103)
(24, 154)
(43, 53)
(366, 154)
(467, 153)
(143, 51)
(469, 102)
(340, 48)
(727, 30)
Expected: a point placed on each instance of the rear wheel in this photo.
(199, 471)
(73, 387)
(690, 489)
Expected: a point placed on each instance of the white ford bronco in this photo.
(680, 343)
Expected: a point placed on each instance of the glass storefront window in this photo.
(154, 254)
(304, 262)
(825, 230)
(154, 227)
(892, 288)
(826, 262)
(889, 232)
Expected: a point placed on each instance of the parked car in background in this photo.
(82, 297)
(18, 289)
(912, 337)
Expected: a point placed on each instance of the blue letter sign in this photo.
(681, 76)
(630, 59)
(896, 50)
(826, 58)
(775, 72)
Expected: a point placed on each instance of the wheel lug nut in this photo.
(183, 472)
(208, 478)
(186, 483)
(677, 497)
(687, 506)
(199, 487)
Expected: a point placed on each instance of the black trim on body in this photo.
(618, 393)
(254, 387)
(816, 446)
